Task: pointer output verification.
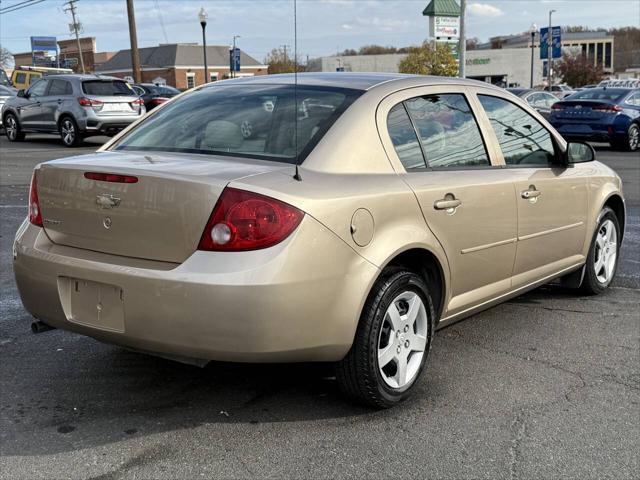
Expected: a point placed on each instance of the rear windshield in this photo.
(256, 121)
(159, 90)
(610, 94)
(107, 87)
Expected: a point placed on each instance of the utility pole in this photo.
(285, 55)
(550, 51)
(71, 7)
(133, 38)
(462, 42)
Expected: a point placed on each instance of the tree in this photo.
(578, 70)
(349, 52)
(425, 60)
(281, 61)
(472, 43)
(6, 58)
(376, 50)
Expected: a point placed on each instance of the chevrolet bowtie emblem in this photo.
(107, 201)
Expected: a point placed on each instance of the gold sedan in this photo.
(342, 218)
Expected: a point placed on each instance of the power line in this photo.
(19, 6)
(161, 20)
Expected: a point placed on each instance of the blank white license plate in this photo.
(116, 107)
(97, 305)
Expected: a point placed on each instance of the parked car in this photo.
(4, 79)
(540, 101)
(375, 209)
(5, 93)
(23, 77)
(153, 95)
(600, 114)
(75, 106)
(562, 90)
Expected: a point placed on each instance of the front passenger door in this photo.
(31, 110)
(552, 198)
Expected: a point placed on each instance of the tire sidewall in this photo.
(400, 282)
(633, 126)
(17, 127)
(590, 274)
(76, 138)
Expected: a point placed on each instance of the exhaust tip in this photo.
(39, 327)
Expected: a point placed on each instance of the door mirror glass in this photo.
(579, 152)
(21, 93)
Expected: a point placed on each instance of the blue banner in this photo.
(44, 44)
(234, 59)
(556, 42)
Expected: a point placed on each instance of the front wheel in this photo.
(69, 132)
(632, 141)
(602, 260)
(392, 342)
(12, 128)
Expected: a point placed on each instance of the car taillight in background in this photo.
(35, 216)
(557, 107)
(607, 108)
(244, 220)
(88, 102)
(138, 102)
(159, 100)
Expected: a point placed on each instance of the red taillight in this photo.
(35, 216)
(110, 177)
(556, 106)
(88, 102)
(137, 101)
(244, 220)
(159, 100)
(607, 108)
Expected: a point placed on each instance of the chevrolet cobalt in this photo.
(365, 212)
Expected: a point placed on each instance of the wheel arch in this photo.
(616, 203)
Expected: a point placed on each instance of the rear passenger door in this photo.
(59, 92)
(468, 203)
(552, 198)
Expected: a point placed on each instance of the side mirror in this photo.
(580, 152)
(21, 93)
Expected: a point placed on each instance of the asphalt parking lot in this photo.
(544, 386)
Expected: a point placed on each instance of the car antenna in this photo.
(296, 176)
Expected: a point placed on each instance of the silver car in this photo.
(75, 106)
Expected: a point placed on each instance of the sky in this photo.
(324, 26)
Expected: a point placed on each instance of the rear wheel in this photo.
(12, 128)
(602, 259)
(69, 132)
(392, 342)
(632, 141)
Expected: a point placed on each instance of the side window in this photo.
(536, 100)
(38, 88)
(634, 99)
(522, 139)
(549, 99)
(33, 78)
(404, 138)
(448, 131)
(60, 87)
(21, 78)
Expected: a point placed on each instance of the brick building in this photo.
(68, 52)
(180, 65)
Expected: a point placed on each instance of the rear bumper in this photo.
(94, 124)
(297, 301)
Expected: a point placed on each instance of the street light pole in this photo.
(203, 22)
(233, 56)
(533, 29)
(462, 41)
(549, 52)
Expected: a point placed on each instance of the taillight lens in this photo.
(159, 100)
(137, 101)
(608, 108)
(110, 177)
(88, 102)
(244, 220)
(35, 216)
(556, 106)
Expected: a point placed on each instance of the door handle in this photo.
(59, 101)
(448, 203)
(530, 193)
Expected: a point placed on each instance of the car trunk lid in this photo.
(160, 216)
(582, 109)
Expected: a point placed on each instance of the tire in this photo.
(600, 268)
(247, 129)
(12, 128)
(631, 142)
(69, 133)
(358, 374)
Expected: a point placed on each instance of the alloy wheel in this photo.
(246, 128)
(68, 132)
(403, 339)
(634, 138)
(606, 252)
(11, 128)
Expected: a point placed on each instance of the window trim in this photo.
(558, 152)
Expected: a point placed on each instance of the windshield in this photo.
(162, 90)
(107, 87)
(610, 94)
(257, 121)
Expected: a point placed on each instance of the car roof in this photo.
(81, 76)
(352, 80)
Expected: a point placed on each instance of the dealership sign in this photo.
(447, 27)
